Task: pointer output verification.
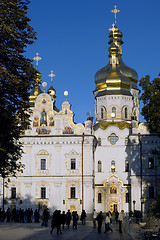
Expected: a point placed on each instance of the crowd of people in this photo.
(19, 215)
(109, 218)
(60, 219)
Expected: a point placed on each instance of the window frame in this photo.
(102, 112)
(72, 192)
(73, 163)
(99, 197)
(43, 192)
(43, 164)
(151, 163)
(13, 192)
(126, 113)
(113, 138)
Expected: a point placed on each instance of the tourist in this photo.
(68, 218)
(121, 219)
(75, 219)
(94, 217)
(107, 223)
(83, 217)
(99, 220)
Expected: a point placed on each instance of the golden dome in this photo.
(116, 76)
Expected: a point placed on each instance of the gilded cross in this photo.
(51, 76)
(115, 11)
(37, 58)
(113, 29)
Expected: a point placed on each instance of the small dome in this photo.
(117, 36)
(52, 92)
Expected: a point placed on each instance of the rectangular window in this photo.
(43, 192)
(43, 164)
(73, 192)
(13, 192)
(127, 197)
(151, 192)
(151, 162)
(99, 198)
(73, 163)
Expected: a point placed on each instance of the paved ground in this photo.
(34, 231)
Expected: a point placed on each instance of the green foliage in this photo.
(17, 76)
(154, 209)
(151, 100)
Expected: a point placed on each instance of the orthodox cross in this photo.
(115, 11)
(51, 76)
(37, 59)
(113, 29)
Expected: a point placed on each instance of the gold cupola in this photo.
(115, 77)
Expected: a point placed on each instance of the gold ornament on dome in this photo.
(36, 92)
(113, 29)
(44, 84)
(115, 11)
(51, 75)
(37, 58)
(66, 94)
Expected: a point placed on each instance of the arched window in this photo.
(114, 110)
(99, 141)
(126, 112)
(113, 190)
(102, 113)
(99, 198)
(99, 166)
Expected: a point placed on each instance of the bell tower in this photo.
(116, 93)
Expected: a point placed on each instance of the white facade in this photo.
(53, 161)
(64, 169)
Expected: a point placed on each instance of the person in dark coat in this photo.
(63, 218)
(75, 219)
(45, 218)
(58, 221)
(8, 213)
(53, 221)
(68, 218)
(99, 220)
(83, 217)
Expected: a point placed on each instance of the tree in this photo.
(17, 77)
(154, 209)
(151, 100)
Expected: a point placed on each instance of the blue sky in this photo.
(73, 42)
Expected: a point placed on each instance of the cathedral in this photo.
(109, 163)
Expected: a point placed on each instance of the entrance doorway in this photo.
(113, 207)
